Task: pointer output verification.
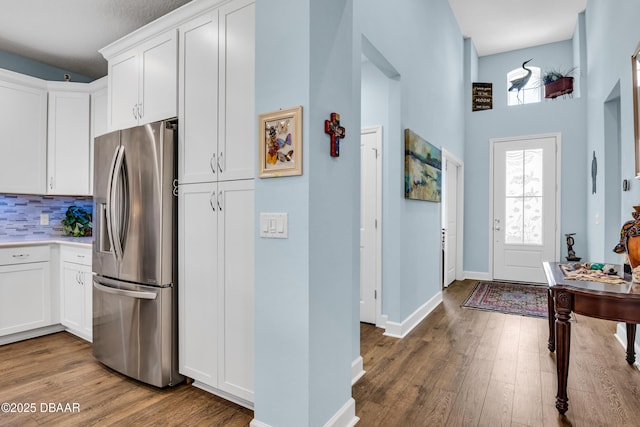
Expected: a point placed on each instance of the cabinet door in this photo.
(197, 285)
(99, 125)
(236, 139)
(87, 316)
(72, 297)
(235, 287)
(159, 78)
(25, 297)
(198, 103)
(123, 91)
(68, 143)
(23, 161)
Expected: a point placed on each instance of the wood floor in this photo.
(459, 367)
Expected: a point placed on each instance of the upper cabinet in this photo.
(216, 103)
(23, 113)
(143, 82)
(69, 154)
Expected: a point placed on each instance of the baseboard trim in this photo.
(223, 394)
(400, 330)
(621, 336)
(477, 275)
(345, 417)
(34, 333)
(357, 370)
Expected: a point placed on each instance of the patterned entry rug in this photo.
(510, 298)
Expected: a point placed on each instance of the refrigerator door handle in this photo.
(109, 203)
(115, 226)
(126, 293)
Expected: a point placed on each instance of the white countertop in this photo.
(10, 241)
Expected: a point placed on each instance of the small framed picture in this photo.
(280, 143)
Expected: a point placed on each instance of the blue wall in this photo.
(422, 41)
(16, 63)
(563, 115)
(612, 35)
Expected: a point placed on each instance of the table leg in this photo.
(552, 317)
(631, 340)
(563, 342)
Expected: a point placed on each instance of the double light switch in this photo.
(274, 225)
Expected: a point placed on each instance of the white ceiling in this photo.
(503, 25)
(68, 33)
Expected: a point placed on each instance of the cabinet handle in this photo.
(140, 111)
(20, 255)
(211, 201)
(175, 187)
(212, 163)
(220, 159)
(220, 201)
(133, 110)
(51, 182)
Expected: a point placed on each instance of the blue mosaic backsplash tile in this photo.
(20, 214)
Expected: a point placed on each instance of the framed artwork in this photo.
(422, 169)
(280, 143)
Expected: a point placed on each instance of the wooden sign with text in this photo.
(481, 96)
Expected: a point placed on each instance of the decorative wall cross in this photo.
(333, 128)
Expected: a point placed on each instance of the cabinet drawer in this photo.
(76, 255)
(23, 254)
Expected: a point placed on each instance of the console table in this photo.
(619, 302)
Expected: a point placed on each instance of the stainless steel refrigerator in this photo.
(135, 252)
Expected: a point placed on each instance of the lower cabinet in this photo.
(25, 289)
(215, 287)
(75, 291)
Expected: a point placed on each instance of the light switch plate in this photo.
(44, 219)
(274, 225)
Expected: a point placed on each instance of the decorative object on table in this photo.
(280, 143)
(630, 239)
(594, 173)
(592, 272)
(519, 83)
(333, 128)
(481, 96)
(557, 83)
(77, 222)
(422, 169)
(571, 254)
(510, 298)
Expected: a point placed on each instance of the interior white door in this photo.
(369, 194)
(524, 207)
(451, 223)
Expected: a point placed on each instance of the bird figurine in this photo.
(519, 83)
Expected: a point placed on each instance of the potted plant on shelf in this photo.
(557, 83)
(77, 222)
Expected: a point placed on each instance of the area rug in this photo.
(510, 298)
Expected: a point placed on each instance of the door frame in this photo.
(380, 322)
(447, 156)
(492, 142)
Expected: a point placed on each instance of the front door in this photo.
(524, 207)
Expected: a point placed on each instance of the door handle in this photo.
(212, 163)
(125, 292)
(213, 206)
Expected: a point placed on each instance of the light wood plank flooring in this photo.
(459, 367)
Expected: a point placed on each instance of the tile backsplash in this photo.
(20, 214)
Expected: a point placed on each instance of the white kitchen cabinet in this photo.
(23, 116)
(143, 83)
(68, 144)
(216, 104)
(25, 289)
(216, 279)
(76, 291)
(99, 125)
